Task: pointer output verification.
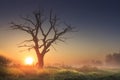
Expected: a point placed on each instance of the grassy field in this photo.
(30, 73)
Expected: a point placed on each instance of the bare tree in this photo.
(42, 37)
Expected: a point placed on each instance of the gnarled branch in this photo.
(38, 31)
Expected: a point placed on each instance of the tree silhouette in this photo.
(4, 61)
(113, 59)
(42, 36)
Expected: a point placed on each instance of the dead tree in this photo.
(42, 37)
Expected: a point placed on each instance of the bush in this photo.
(4, 61)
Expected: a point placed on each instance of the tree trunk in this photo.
(40, 58)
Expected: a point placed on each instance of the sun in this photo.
(29, 61)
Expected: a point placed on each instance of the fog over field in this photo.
(59, 40)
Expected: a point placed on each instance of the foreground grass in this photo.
(29, 73)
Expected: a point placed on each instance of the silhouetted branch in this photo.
(39, 21)
(26, 45)
(41, 37)
(29, 20)
(22, 27)
(25, 41)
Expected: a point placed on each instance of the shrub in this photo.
(4, 61)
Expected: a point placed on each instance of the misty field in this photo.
(54, 73)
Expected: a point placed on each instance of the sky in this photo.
(97, 22)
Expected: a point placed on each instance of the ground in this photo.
(54, 73)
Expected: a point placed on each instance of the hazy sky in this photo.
(98, 22)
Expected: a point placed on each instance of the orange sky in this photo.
(73, 51)
(97, 22)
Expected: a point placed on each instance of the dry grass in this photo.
(31, 73)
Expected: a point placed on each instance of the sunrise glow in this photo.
(29, 61)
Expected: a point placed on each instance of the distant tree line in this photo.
(113, 59)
